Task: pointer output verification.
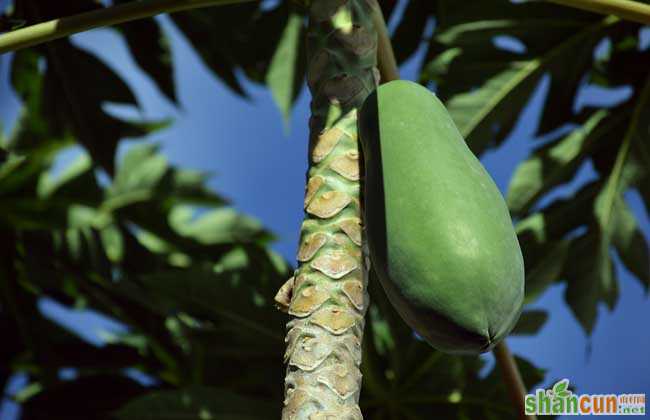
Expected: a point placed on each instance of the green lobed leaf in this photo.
(485, 87)
(234, 37)
(615, 222)
(75, 87)
(591, 278)
(631, 245)
(219, 226)
(150, 48)
(283, 76)
(543, 237)
(552, 164)
(409, 33)
(76, 184)
(139, 173)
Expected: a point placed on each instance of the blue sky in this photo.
(242, 141)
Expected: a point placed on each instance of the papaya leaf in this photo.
(151, 194)
(409, 32)
(477, 112)
(540, 230)
(641, 160)
(190, 187)
(388, 7)
(76, 184)
(615, 222)
(552, 164)
(11, 163)
(625, 170)
(144, 176)
(225, 295)
(623, 62)
(101, 394)
(150, 48)
(75, 86)
(485, 100)
(459, 392)
(546, 270)
(196, 403)
(631, 245)
(483, 86)
(89, 358)
(591, 278)
(545, 238)
(284, 77)
(32, 12)
(235, 37)
(219, 226)
(530, 322)
(138, 175)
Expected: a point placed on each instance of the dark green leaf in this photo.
(150, 48)
(197, 403)
(631, 245)
(530, 322)
(76, 85)
(615, 222)
(542, 237)
(229, 297)
(409, 33)
(551, 165)
(591, 278)
(546, 269)
(216, 36)
(485, 87)
(219, 226)
(625, 170)
(139, 173)
(97, 394)
(284, 77)
(76, 184)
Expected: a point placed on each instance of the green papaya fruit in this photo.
(439, 233)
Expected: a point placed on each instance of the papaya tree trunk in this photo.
(327, 295)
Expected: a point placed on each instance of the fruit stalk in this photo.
(327, 297)
(512, 379)
(386, 62)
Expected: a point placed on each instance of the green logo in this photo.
(560, 389)
(560, 400)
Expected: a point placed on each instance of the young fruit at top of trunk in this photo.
(440, 236)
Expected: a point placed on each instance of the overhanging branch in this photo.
(625, 9)
(69, 25)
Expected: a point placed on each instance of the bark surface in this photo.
(327, 296)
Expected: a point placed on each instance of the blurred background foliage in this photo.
(192, 280)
